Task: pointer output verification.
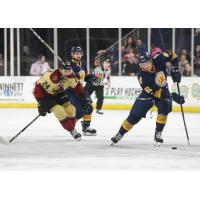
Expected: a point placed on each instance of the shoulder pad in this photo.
(55, 76)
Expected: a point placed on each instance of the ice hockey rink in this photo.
(46, 146)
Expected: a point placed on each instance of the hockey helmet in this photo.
(76, 49)
(144, 57)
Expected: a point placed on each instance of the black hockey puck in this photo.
(174, 147)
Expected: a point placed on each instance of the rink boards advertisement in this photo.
(17, 92)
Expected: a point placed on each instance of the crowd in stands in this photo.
(197, 61)
(130, 66)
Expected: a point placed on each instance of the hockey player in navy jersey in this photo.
(80, 70)
(153, 80)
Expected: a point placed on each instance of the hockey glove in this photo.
(176, 74)
(42, 108)
(177, 98)
(87, 106)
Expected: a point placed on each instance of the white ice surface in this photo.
(46, 146)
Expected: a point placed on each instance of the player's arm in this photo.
(43, 100)
(43, 94)
(175, 70)
(171, 58)
(84, 97)
(92, 79)
(78, 89)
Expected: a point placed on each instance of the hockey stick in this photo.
(14, 137)
(48, 47)
(186, 131)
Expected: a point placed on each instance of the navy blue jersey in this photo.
(80, 69)
(160, 60)
(154, 82)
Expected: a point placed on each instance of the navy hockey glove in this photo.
(87, 106)
(177, 98)
(44, 105)
(176, 74)
(42, 108)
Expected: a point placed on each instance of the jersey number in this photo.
(45, 85)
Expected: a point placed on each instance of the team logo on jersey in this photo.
(82, 75)
(160, 79)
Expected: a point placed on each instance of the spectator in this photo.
(131, 53)
(40, 66)
(197, 60)
(130, 44)
(130, 68)
(97, 59)
(97, 62)
(155, 50)
(1, 65)
(25, 60)
(114, 60)
(186, 53)
(183, 61)
(187, 70)
(140, 47)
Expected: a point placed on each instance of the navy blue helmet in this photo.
(144, 57)
(77, 49)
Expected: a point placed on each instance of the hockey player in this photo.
(80, 70)
(50, 95)
(103, 72)
(153, 80)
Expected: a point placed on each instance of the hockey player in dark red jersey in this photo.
(153, 80)
(50, 95)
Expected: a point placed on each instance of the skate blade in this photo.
(157, 144)
(78, 139)
(89, 134)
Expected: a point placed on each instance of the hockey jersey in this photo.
(154, 82)
(52, 83)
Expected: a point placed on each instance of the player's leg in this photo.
(70, 112)
(141, 106)
(164, 108)
(76, 103)
(100, 97)
(87, 130)
(68, 122)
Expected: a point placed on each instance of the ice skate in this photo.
(99, 112)
(158, 139)
(75, 134)
(88, 131)
(116, 138)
